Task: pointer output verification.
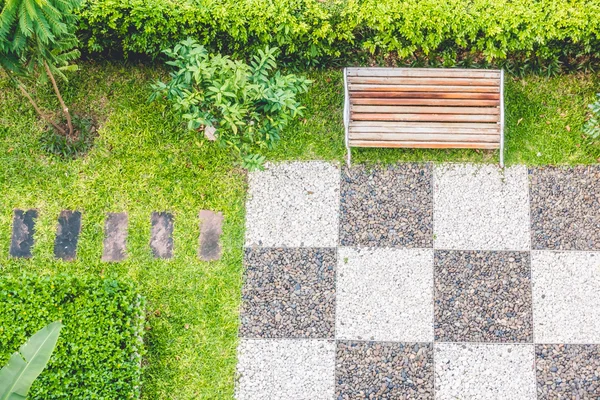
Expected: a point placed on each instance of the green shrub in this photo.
(242, 106)
(592, 126)
(532, 34)
(99, 352)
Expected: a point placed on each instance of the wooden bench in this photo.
(424, 108)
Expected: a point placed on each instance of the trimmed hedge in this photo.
(307, 30)
(98, 354)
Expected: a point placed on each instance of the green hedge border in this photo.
(100, 348)
(552, 32)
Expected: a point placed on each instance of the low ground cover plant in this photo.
(100, 348)
(241, 106)
(592, 125)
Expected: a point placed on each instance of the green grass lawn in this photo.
(143, 161)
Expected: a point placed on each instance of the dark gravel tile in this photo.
(379, 370)
(482, 296)
(565, 208)
(289, 293)
(387, 206)
(22, 233)
(568, 371)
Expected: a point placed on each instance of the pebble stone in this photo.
(565, 208)
(281, 369)
(293, 205)
(566, 371)
(379, 370)
(385, 294)
(288, 293)
(484, 371)
(386, 206)
(566, 296)
(481, 207)
(482, 296)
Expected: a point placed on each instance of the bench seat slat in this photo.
(423, 72)
(426, 110)
(422, 129)
(423, 81)
(424, 102)
(427, 137)
(422, 88)
(425, 145)
(424, 117)
(436, 125)
(426, 95)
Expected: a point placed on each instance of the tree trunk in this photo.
(36, 108)
(60, 99)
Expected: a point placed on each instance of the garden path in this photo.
(421, 281)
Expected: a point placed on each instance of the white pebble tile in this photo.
(480, 207)
(385, 294)
(285, 369)
(566, 297)
(293, 205)
(484, 371)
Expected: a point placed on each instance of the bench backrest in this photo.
(424, 107)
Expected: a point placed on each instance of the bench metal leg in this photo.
(348, 156)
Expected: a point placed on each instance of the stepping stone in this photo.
(161, 239)
(67, 235)
(22, 233)
(115, 237)
(211, 228)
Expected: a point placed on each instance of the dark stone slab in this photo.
(67, 235)
(387, 206)
(380, 370)
(565, 208)
(22, 233)
(289, 293)
(115, 237)
(211, 228)
(567, 371)
(482, 296)
(161, 239)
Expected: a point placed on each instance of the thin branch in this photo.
(60, 99)
(34, 104)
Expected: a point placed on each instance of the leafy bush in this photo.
(532, 34)
(241, 106)
(592, 126)
(99, 352)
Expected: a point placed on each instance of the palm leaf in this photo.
(25, 365)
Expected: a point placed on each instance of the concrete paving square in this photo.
(386, 206)
(566, 297)
(288, 293)
(565, 208)
(483, 296)
(480, 207)
(484, 371)
(293, 205)
(285, 369)
(385, 294)
(379, 370)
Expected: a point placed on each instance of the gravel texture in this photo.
(385, 294)
(568, 371)
(285, 369)
(386, 206)
(375, 370)
(565, 208)
(289, 293)
(293, 205)
(566, 297)
(484, 371)
(482, 296)
(481, 207)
